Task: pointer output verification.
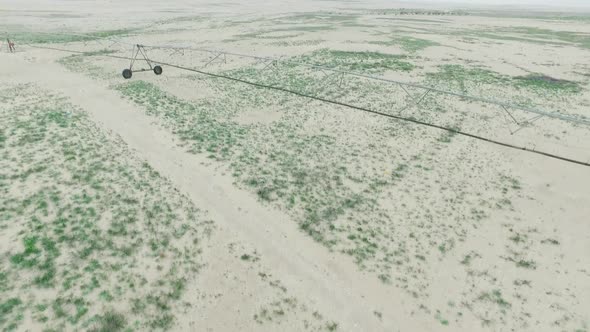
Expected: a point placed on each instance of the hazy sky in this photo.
(552, 3)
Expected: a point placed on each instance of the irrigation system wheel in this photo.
(127, 73)
(157, 70)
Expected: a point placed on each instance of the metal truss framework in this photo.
(221, 56)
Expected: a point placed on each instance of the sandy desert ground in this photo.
(187, 202)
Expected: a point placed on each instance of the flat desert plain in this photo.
(233, 197)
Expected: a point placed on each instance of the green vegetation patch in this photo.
(458, 76)
(544, 82)
(282, 32)
(465, 79)
(496, 297)
(366, 62)
(411, 44)
(579, 39)
(280, 311)
(90, 227)
(532, 35)
(408, 44)
(58, 38)
(208, 133)
(78, 63)
(110, 322)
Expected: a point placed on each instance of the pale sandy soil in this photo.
(311, 216)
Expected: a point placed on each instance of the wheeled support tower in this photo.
(139, 51)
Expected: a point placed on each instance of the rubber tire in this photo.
(158, 70)
(127, 73)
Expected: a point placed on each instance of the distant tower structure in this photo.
(10, 45)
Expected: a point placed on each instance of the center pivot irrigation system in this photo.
(137, 50)
(139, 53)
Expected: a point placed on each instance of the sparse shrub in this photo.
(111, 321)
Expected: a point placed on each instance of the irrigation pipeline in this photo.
(381, 79)
(334, 102)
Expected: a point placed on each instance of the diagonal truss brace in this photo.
(177, 51)
(415, 101)
(520, 124)
(526, 123)
(217, 56)
(137, 51)
(510, 114)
